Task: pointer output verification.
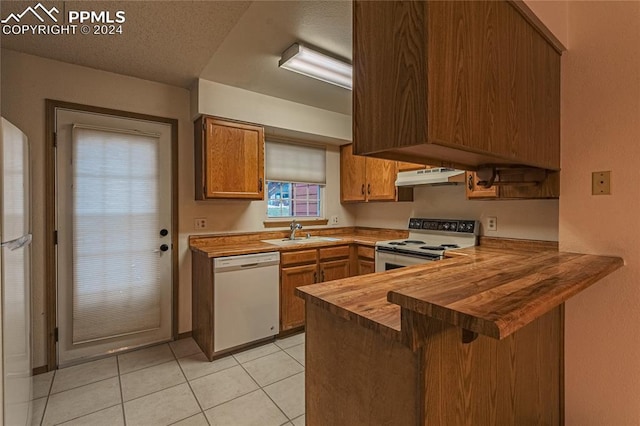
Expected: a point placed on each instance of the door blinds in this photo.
(116, 287)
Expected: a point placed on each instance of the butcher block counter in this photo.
(473, 339)
(221, 245)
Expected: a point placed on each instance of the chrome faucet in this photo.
(294, 227)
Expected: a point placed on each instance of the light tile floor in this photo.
(174, 384)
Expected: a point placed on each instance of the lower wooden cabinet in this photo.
(365, 259)
(304, 267)
(292, 307)
(334, 270)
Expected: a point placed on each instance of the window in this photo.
(295, 177)
(290, 199)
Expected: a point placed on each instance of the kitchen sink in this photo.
(300, 240)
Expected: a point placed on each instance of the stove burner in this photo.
(449, 245)
(397, 243)
(413, 242)
(438, 248)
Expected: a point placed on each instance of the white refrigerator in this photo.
(15, 268)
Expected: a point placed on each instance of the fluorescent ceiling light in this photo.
(301, 59)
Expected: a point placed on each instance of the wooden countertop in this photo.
(493, 291)
(232, 245)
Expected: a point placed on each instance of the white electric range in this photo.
(428, 240)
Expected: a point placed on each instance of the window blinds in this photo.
(295, 163)
(116, 283)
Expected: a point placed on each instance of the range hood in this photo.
(433, 177)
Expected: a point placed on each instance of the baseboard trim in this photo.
(184, 335)
(40, 370)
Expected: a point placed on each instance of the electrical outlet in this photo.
(200, 223)
(601, 183)
(492, 223)
(334, 220)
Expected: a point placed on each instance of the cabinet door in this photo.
(352, 176)
(233, 160)
(291, 306)
(403, 166)
(334, 270)
(487, 92)
(381, 180)
(474, 191)
(366, 266)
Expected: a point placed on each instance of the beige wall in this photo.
(601, 131)
(281, 117)
(532, 219)
(554, 14)
(27, 80)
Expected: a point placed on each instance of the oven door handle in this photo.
(426, 256)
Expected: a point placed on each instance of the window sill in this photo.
(277, 223)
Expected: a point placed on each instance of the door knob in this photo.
(164, 232)
(164, 247)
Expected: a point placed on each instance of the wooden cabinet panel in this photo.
(366, 266)
(333, 253)
(298, 257)
(365, 260)
(481, 85)
(474, 191)
(229, 159)
(381, 180)
(369, 179)
(314, 265)
(549, 188)
(334, 270)
(403, 166)
(291, 306)
(366, 252)
(352, 176)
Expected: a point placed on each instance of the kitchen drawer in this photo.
(366, 252)
(334, 252)
(298, 257)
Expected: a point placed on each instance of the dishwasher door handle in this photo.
(249, 265)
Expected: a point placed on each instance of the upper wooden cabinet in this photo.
(229, 159)
(454, 83)
(549, 188)
(369, 179)
(403, 166)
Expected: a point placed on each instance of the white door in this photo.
(114, 234)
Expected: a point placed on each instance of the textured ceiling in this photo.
(237, 43)
(165, 41)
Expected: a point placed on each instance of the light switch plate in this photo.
(601, 183)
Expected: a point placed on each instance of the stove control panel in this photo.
(444, 225)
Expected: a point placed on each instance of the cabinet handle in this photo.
(362, 190)
(369, 188)
(315, 277)
(322, 276)
(470, 182)
(260, 184)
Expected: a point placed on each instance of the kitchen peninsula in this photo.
(471, 340)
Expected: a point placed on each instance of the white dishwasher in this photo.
(246, 299)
